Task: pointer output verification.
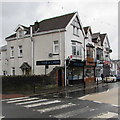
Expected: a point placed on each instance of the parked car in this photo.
(110, 78)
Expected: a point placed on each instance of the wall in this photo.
(43, 46)
(16, 61)
(68, 37)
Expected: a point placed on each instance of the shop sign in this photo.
(76, 63)
(48, 62)
(99, 65)
(106, 62)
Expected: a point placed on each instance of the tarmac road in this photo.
(71, 105)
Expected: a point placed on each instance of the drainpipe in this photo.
(32, 53)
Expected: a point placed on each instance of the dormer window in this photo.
(20, 33)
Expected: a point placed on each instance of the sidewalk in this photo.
(70, 88)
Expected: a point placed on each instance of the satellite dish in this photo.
(50, 54)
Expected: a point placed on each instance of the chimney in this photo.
(36, 24)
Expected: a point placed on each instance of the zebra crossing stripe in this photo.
(44, 103)
(14, 98)
(15, 101)
(107, 115)
(72, 113)
(23, 103)
(55, 108)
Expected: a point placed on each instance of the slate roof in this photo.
(25, 65)
(95, 36)
(49, 24)
(102, 37)
(86, 29)
(3, 48)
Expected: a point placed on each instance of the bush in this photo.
(25, 83)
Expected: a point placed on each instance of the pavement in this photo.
(59, 90)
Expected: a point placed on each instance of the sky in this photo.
(101, 15)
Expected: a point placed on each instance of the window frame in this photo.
(78, 49)
(19, 49)
(54, 47)
(12, 51)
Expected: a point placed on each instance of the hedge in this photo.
(26, 83)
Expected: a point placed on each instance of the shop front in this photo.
(75, 71)
(89, 71)
(106, 68)
(99, 70)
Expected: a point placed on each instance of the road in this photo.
(102, 104)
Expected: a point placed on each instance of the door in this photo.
(59, 78)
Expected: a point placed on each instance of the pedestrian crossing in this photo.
(57, 108)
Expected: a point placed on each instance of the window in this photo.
(13, 71)
(20, 33)
(76, 49)
(75, 31)
(20, 51)
(55, 47)
(12, 52)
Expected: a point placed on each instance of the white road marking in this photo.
(107, 115)
(44, 103)
(108, 90)
(97, 101)
(15, 101)
(2, 117)
(115, 105)
(23, 103)
(72, 113)
(82, 98)
(14, 98)
(55, 108)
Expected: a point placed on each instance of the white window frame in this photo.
(11, 51)
(19, 51)
(20, 33)
(54, 47)
(78, 49)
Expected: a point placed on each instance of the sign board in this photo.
(48, 62)
(75, 63)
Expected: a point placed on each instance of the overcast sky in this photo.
(101, 15)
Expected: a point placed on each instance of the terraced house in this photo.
(60, 43)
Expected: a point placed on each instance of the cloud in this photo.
(101, 15)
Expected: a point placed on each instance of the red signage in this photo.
(106, 62)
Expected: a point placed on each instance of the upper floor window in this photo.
(20, 51)
(89, 52)
(75, 31)
(20, 33)
(55, 47)
(76, 49)
(12, 51)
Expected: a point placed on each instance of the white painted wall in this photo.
(16, 61)
(3, 61)
(68, 44)
(43, 46)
